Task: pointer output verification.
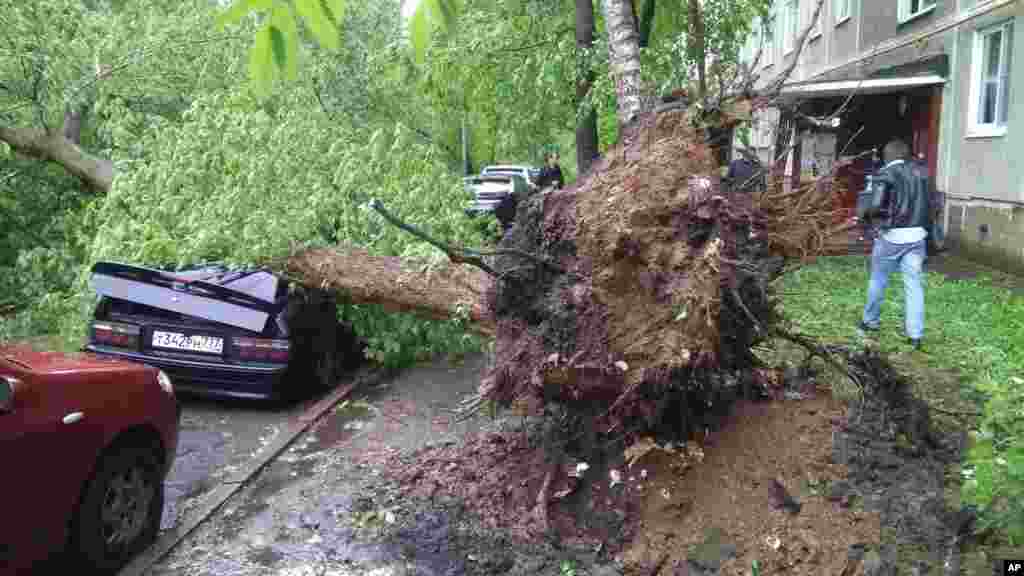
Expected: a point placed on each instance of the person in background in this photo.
(744, 175)
(551, 174)
(899, 205)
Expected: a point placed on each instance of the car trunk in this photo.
(198, 315)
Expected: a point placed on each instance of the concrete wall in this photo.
(988, 232)
(984, 182)
(883, 22)
(843, 41)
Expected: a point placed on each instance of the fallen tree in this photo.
(628, 301)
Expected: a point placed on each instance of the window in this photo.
(910, 9)
(842, 11)
(990, 100)
(790, 22)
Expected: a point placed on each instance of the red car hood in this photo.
(48, 362)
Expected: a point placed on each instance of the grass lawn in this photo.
(972, 365)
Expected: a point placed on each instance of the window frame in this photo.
(976, 128)
(843, 15)
(905, 15)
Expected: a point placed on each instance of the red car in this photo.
(86, 443)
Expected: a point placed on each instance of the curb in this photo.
(230, 486)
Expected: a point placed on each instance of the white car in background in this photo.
(496, 182)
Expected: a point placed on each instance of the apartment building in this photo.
(946, 76)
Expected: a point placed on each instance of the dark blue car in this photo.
(221, 331)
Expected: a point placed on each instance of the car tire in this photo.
(120, 511)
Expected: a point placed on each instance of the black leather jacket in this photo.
(550, 176)
(899, 197)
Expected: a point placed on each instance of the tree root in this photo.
(540, 511)
(815, 349)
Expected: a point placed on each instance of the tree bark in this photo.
(624, 55)
(798, 159)
(55, 147)
(698, 50)
(441, 291)
(586, 127)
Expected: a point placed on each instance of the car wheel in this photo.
(120, 512)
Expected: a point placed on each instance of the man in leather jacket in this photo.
(899, 206)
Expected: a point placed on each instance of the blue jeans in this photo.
(885, 257)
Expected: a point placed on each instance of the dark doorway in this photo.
(869, 121)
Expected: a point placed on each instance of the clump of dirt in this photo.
(499, 476)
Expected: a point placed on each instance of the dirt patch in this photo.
(723, 514)
(899, 463)
(799, 482)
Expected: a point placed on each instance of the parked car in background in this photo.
(221, 331)
(86, 443)
(494, 183)
(528, 173)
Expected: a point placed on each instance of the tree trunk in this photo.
(586, 127)
(442, 291)
(798, 160)
(783, 137)
(697, 48)
(624, 55)
(55, 147)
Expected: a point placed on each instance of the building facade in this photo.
(946, 76)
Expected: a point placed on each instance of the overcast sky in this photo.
(408, 7)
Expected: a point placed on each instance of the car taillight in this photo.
(261, 349)
(116, 334)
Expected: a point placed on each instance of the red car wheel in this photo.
(120, 512)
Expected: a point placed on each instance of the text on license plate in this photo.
(194, 343)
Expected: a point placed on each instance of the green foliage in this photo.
(237, 184)
(275, 48)
(399, 340)
(976, 329)
(669, 62)
(509, 69)
(431, 17)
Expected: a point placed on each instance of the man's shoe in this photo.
(916, 343)
(865, 328)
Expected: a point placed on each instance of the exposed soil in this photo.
(729, 498)
(392, 484)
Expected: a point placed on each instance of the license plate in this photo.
(194, 343)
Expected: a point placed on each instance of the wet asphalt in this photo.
(309, 510)
(217, 437)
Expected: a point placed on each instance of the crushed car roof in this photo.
(244, 298)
